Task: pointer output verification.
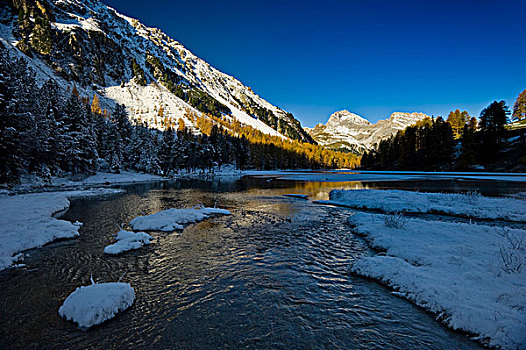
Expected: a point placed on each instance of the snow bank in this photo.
(96, 303)
(125, 177)
(26, 221)
(518, 195)
(470, 205)
(32, 183)
(469, 275)
(174, 219)
(127, 240)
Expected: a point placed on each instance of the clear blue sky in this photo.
(313, 58)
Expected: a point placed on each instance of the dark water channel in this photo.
(272, 275)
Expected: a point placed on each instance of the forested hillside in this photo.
(459, 143)
(47, 131)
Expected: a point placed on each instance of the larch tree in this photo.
(95, 105)
(519, 108)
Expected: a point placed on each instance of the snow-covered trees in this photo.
(49, 131)
(15, 115)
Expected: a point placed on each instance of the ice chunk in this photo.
(174, 219)
(96, 303)
(127, 240)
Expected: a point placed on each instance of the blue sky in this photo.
(313, 58)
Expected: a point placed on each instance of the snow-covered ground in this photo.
(96, 303)
(33, 184)
(472, 276)
(519, 195)
(127, 240)
(173, 219)
(26, 221)
(471, 205)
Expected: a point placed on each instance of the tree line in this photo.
(459, 143)
(48, 132)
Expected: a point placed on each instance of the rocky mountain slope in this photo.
(86, 44)
(350, 131)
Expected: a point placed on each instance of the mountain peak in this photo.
(345, 117)
(99, 50)
(348, 130)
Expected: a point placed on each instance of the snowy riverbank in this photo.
(27, 221)
(471, 205)
(36, 184)
(473, 277)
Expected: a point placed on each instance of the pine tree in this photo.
(114, 155)
(51, 103)
(79, 139)
(468, 150)
(167, 153)
(16, 101)
(492, 121)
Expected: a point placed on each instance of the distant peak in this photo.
(345, 116)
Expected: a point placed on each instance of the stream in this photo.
(274, 274)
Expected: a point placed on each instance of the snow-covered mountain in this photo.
(86, 44)
(348, 130)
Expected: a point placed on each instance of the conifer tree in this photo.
(492, 121)
(114, 155)
(81, 150)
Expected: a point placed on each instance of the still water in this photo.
(272, 275)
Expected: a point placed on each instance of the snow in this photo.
(143, 102)
(32, 183)
(470, 205)
(101, 178)
(127, 240)
(519, 195)
(96, 303)
(352, 131)
(469, 275)
(26, 221)
(77, 22)
(173, 219)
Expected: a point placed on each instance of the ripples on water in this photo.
(272, 275)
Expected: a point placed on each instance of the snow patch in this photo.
(127, 240)
(174, 219)
(96, 303)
